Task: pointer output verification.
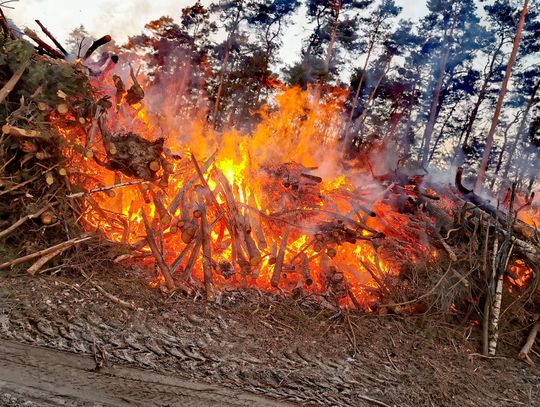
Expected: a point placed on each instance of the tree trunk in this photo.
(521, 127)
(332, 41)
(503, 148)
(369, 100)
(223, 69)
(428, 131)
(441, 132)
(481, 96)
(354, 104)
(408, 127)
(489, 141)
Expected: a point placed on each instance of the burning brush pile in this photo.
(85, 159)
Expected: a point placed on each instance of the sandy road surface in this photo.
(33, 376)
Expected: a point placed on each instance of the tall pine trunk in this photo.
(332, 41)
(354, 104)
(428, 131)
(481, 96)
(328, 56)
(495, 121)
(503, 148)
(224, 66)
(521, 128)
(369, 100)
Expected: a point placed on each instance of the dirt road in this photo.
(256, 344)
(35, 376)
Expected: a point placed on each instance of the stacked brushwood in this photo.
(37, 222)
(475, 274)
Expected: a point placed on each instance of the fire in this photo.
(519, 273)
(284, 174)
(531, 216)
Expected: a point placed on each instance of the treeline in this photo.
(428, 87)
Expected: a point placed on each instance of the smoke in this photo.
(118, 18)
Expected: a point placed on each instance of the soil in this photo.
(37, 377)
(248, 348)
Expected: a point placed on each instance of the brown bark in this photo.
(207, 255)
(305, 269)
(224, 66)
(524, 353)
(44, 252)
(22, 220)
(495, 121)
(332, 41)
(46, 47)
(519, 133)
(280, 257)
(428, 131)
(481, 96)
(356, 98)
(369, 100)
(10, 85)
(503, 148)
(151, 239)
(51, 37)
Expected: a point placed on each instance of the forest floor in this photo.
(247, 350)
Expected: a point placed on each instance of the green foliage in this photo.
(17, 52)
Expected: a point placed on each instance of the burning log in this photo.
(178, 261)
(311, 177)
(529, 250)
(120, 89)
(164, 215)
(151, 239)
(96, 44)
(273, 254)
(280, 257)
(305, 269)
(335, 233)
(207, 255)
(252, 250)
(192, 259)
(132, 155)
(255, 222)
(334, 279)
(188, 231)
(224, 267)
(177, 200)
(104, 189)
(520, 228)
(136, 93)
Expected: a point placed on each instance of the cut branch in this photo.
(207, 255)
(151, 239)
(44, 252)
(280, 257)
(524, 353)
(10, 85)
(22, 220)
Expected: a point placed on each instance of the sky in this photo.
(121, 18)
